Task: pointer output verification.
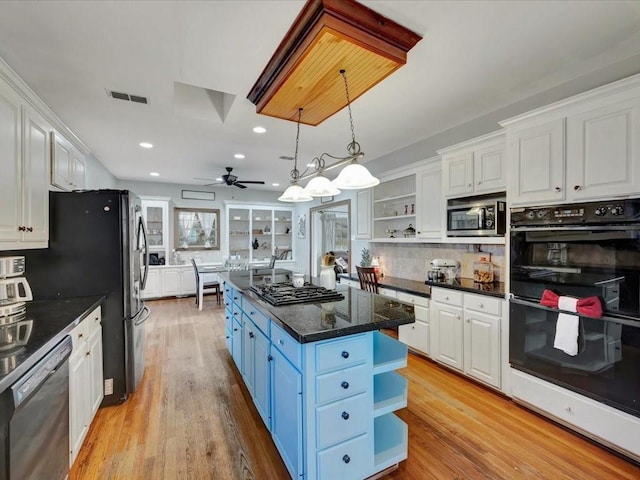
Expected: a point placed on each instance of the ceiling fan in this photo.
(230, 180)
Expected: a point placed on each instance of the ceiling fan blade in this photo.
(239, 185)
(201, 178)
(260, 182)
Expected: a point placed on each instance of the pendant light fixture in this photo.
(354, 176)
(295, 193)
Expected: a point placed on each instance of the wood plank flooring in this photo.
(192, 418)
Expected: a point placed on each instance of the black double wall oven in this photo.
(579, 250)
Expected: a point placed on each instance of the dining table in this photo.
(208, 272)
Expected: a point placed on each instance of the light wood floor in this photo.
(192, 418)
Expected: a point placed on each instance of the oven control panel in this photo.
(614, 211)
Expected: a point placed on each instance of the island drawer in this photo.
(342, 353)
(448, 296)
(79, 333)
(228, 319)
(257, 317)
(341, 420)
(284, 342)
(342, 383)
(346, 460)
(236, 312)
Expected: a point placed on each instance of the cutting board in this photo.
(466, 267)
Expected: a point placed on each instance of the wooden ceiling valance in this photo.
(327, 36)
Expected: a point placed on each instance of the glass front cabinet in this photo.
(155, 211)
(255, 232)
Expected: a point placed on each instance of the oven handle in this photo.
(605, 318)
(548, 228)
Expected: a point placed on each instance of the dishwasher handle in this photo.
(31, 381)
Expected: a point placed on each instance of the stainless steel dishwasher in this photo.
(34, 433)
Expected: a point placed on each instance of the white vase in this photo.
(328, 277)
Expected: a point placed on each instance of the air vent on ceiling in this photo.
(285, 157)
(127, 96)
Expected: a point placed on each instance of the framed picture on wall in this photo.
(302, 226)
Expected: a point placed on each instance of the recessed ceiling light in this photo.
(146, 145)
(238, 156)
(259, 129)
(154, 174)
(311, 164)
(219, 179)
(275, 184)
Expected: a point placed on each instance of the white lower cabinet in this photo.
(416, 335)
(328, 404)
(85, 379)
(607, 425)
(170, 281)
(465, 333)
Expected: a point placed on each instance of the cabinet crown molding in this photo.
(626, 85)
(497, 135)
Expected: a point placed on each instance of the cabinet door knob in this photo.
(345, 415)
(22, 228)
(88, 353)
(345, 385)
(235, 329)
(481, 305)
(468, 320)
(345, 354)
(446, 298)
(269, 358)
(251, 335)
(457, 317)
(469, 185)
(252, 313)
(479, 182)
(577, 187)
(346, 459)
(558, 189)
(29, 229)
(280, 341)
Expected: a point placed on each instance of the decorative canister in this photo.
(483, 271)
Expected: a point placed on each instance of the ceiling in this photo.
(475, 57)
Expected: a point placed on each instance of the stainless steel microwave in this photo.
(481, 219)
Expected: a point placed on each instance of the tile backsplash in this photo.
(411, 261)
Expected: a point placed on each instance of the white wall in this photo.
(97, 176)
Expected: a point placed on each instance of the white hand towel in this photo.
(567, 327)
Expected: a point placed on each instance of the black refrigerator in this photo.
(98, 246)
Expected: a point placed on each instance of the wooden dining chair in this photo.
(368, 279)
(207, 287)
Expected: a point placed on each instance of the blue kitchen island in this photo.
(322, 376)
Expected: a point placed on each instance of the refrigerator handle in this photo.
(144, 315)
(142, 230)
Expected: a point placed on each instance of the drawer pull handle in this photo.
(481, 305)
(252, 313)
(345, 385)
(345, 354)
(446, 298)
(280, 341)
(80, 335)
(345, 415)
(346, 459)
(235, 329)
(251, 335)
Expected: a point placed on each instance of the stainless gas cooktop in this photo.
(286, 294)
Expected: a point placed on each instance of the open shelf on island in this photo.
(390, 441)
(388, 354)
(389, 393)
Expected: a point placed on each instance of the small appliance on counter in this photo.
(15, 330)
(443, 269)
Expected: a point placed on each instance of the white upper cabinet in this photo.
(586, 147)
(430, 205)
(477, 166)
(363, 214)
(602, 151)
(67, 164)
(25, 157)
(536, 170)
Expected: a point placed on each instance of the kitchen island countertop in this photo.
(52, 321)
(358, 312)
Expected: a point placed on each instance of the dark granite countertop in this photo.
(358, 312)
(395, 283)
(495, 289)
(52, 320)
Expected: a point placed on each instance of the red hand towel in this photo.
(589, 306)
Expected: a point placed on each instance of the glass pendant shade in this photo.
(321, 187)
(295, 193)
(355, 176)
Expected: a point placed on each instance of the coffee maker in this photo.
(443, 269)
